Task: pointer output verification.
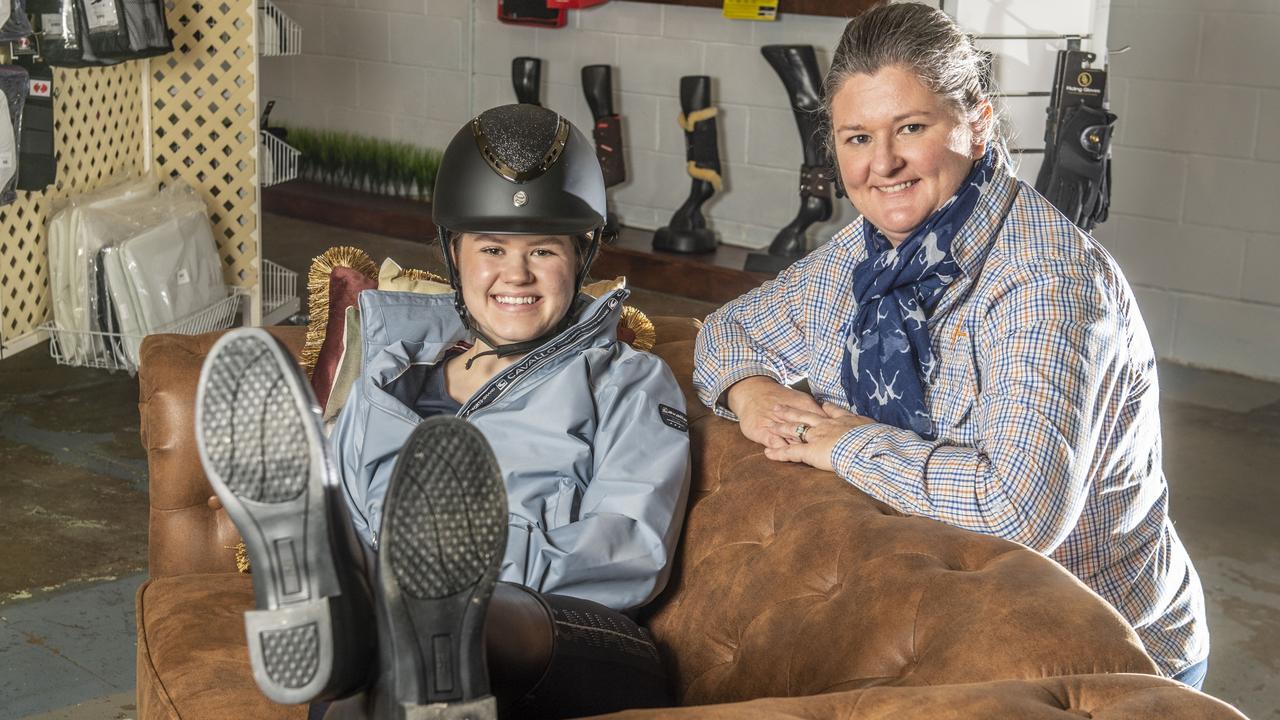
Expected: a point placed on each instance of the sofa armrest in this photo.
(189, 531)
(789, 581)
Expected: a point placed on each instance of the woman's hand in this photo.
(754, 401)
(825, 428)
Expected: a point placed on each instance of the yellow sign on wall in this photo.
(751, 9)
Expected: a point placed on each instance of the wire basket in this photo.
(278, 34)
(277, 160)
(279, 292)
(112, 350)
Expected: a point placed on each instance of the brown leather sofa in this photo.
(794, 595)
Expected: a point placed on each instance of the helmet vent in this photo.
(520, 142)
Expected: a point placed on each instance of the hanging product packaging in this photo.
(163, 266)
(13, 90)
(72, 256)
(37, 166)
(530, 12)
(103, 25)
(13, 20)
(63, 42)
(147, 29)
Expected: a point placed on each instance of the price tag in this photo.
(102, 14)
(52, 24)
(751, 9)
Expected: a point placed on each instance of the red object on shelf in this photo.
(530, 12)
(572, 4)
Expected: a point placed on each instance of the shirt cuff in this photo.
(852, 446)
(720, 391)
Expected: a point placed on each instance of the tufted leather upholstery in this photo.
(789, 585)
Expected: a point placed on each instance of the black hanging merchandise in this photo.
(606, 130)
(797, 65)
(1076, 173)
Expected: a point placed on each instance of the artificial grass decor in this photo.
(364, 163)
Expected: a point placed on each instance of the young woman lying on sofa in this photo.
(506, 482)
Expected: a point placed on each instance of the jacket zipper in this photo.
(584, 331)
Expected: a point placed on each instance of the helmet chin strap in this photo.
(524, 346)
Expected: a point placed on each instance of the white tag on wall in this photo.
(102, 14)
(51, 23)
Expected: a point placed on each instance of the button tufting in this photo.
(214, 503)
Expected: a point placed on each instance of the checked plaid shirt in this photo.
(1045, 401)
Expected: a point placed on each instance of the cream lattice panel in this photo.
(204, 119)
(97, 134)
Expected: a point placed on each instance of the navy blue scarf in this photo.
(887, 355)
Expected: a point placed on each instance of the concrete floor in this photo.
(74, 509)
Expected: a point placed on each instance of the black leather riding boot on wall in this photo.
(526, 78)
(259, 437)
(687, 231)
(797, 65)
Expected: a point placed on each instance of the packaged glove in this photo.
(1076, 173)
(13, 90)
(37, 165)
(13, 20)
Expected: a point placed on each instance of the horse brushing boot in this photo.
(526, 77)
(687, 232)
(259, 436)
(597, 85)
(798, 67)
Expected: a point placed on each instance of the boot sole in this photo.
(444, 533)
(259, 438)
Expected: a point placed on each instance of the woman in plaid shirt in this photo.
(971, 355)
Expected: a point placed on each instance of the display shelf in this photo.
(111, 350)
(279, 293)
(279, 161)
(278, 34)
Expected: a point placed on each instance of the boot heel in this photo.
(485, 708)
(287, 650)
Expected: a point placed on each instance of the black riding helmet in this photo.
(519, 170)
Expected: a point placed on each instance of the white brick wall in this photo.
(1196, 212)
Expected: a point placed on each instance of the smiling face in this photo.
(903, 150)
(516, 287)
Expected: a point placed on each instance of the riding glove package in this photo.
(13, 90)
(13, 20)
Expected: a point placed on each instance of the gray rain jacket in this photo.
(590, 435)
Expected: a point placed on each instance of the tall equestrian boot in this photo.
(798, 67)
(687, 232)
(597, 85)
(554, 656)
(260, 440)
(526, 77)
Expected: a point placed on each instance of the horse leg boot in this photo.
(687, 232)
(526, 78)
(797, 65)
(597, 85)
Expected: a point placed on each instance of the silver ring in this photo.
(801, 429)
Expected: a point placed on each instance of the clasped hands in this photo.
(791, 425)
